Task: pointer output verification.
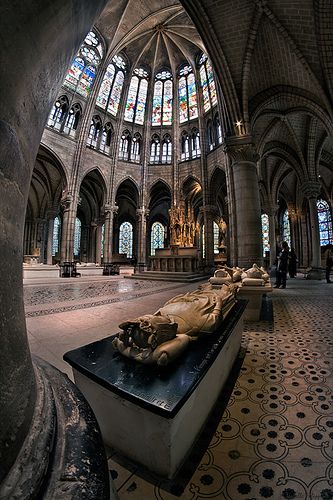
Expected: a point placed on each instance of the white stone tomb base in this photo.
(159, 443)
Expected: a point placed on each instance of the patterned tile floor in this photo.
(271, 433)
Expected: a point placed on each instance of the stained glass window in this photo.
(110, 91)
(141, 102)
(131, 99)
(157, 103)
(106, 86)
(286, 227)
(81, 75)
(167, 103)
(265, 233)
(207, 83)
(137, 96)
(325, 222)
(157, 237)
(77, 237)
(187, 95)
(183, 113)
(56, 236)
(126, 239)
(102, 240)
(116, 93)
(74, 73)
(216, 232)
(204, 87)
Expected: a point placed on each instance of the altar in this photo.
(153, 415)
(175, 259)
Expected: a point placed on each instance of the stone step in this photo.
(181, 277)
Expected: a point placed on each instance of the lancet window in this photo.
(187, 95)
(81, 75)
(137, 97)
(112, 85)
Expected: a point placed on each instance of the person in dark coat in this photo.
(282, 267)
(329, 262)
(292, 268)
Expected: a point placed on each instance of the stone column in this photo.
(311, 190)
(142, 215)
(44, 36)
(98, 245)
(50, 227)
(209, 211)
(271, 211)
(110, 212)
(243, 160)
(67, 229)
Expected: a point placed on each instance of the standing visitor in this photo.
(292, 268)
(329, 262)
(282, 267)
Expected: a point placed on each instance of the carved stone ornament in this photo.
(311, 189)
(110, 209)
(241, 150)
(182, 226)
(66, 200)
(142, 213)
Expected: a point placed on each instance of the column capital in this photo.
(66, 200)
(142, 212)
(109, 209)
(311, 189)
(240, 149)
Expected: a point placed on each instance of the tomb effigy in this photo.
(143, 407)
(163, 336)
(252, 283)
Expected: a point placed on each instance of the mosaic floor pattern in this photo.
(45, 299)
(271, 433)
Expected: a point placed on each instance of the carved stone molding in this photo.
(240, 150)
(142, 213)
(109, 209)
(311, 189)
(66, 200)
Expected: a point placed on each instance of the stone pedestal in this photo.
(254, 295)
(221, 257)
(153, 415)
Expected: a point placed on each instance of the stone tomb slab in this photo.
(153, 415)
(254, 296)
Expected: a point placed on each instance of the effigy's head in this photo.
(148, 331)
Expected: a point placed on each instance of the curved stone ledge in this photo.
(63, 455)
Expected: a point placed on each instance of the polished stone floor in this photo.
(271, 433)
